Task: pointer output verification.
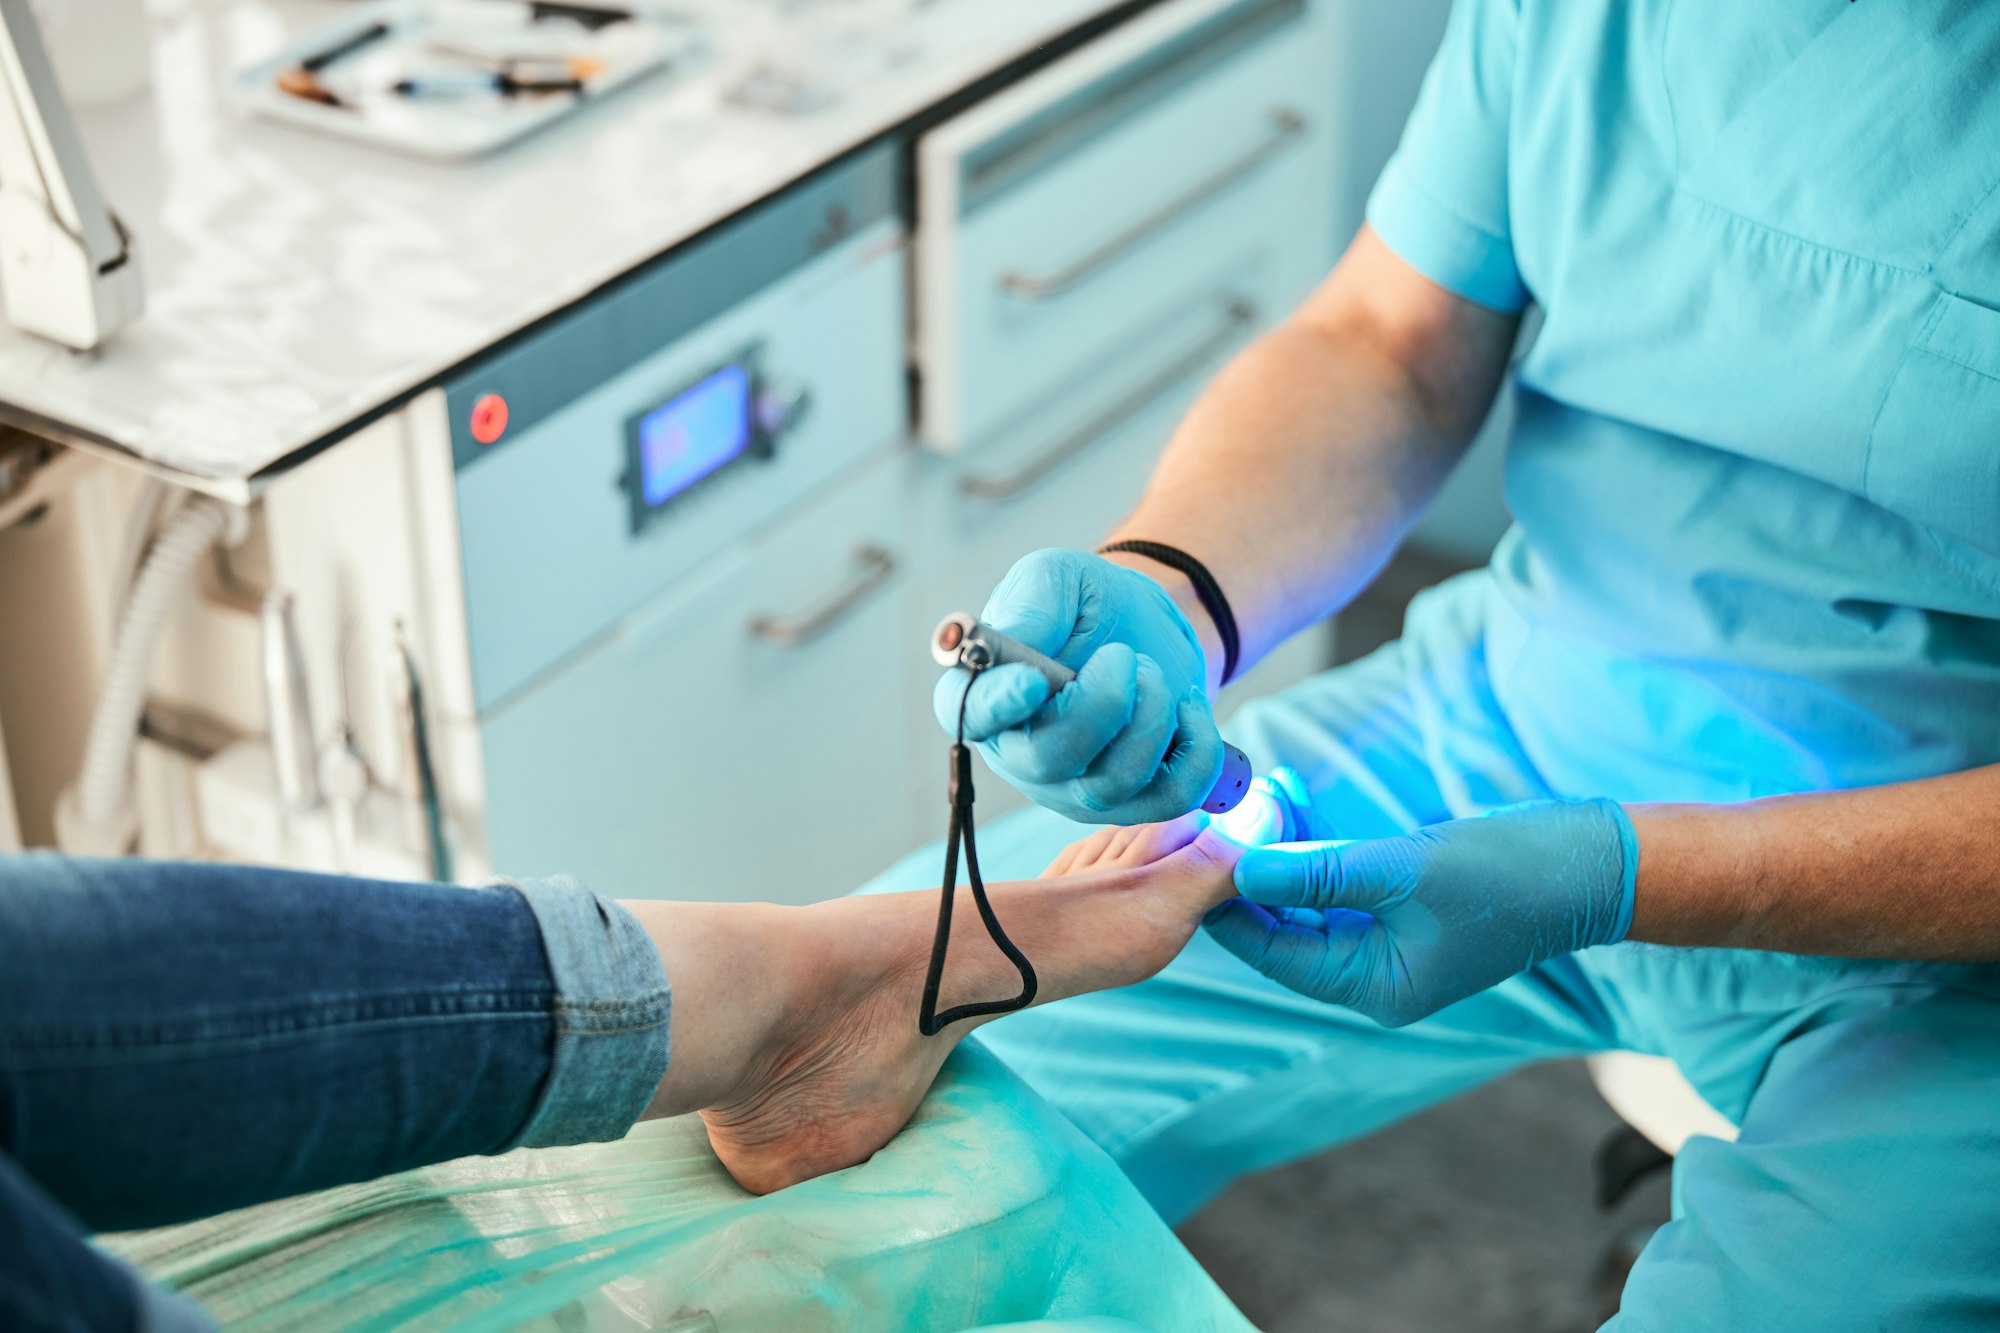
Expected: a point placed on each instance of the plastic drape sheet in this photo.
(989, 1208)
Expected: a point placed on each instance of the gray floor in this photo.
(1475, 1215)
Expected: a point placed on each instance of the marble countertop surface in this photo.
(298, 284)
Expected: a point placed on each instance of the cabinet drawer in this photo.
(1078, 464)
(1063, 219)
(737, 739)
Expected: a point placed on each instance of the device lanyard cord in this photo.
(929, 1021)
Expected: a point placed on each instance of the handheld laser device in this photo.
(963, 640)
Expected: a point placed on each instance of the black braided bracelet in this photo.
(1206, 589)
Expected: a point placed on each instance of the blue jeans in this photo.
(177, 1039)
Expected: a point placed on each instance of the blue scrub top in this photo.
(1756, 471)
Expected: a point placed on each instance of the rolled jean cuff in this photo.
(612, 1005)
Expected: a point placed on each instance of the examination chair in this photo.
(990, 1208)
(1661, 1111)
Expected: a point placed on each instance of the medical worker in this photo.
(1704, 763)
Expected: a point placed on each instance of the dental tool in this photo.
(287, 704)
(423, 804)
(965, 641)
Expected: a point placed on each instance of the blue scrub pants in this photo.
(1863, 1192)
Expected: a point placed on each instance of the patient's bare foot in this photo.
(843, 1066)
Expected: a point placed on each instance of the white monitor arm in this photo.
(68, 268)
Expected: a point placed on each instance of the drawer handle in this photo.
(874, 567)
(1238, 314)
(1286, 126)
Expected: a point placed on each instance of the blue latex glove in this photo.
(1398, 928)
(1132, 739)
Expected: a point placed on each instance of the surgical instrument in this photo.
(960, 832)
(965, 641)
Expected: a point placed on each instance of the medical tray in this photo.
(351, 70)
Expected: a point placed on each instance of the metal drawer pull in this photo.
(875, 568)
(1286, 126)
(1238, 315)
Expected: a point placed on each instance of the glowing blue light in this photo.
(1257, 821)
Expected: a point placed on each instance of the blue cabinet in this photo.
(741, 737)
(691, 700)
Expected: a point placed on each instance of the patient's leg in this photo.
(800, 1043)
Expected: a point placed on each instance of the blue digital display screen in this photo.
(691, 436)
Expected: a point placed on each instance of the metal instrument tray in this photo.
(359, 61)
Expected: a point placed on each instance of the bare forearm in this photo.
(1910, 870)
(1290, 482)
(1304, 464)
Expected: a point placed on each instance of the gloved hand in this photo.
(1398, 928)
(1132, 739)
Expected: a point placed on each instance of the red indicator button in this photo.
(489, 418)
